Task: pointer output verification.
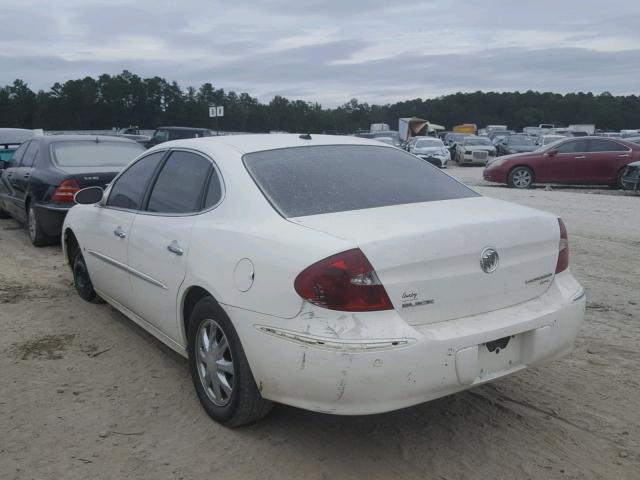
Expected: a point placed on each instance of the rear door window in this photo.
(602, 145)
(129, 189)
(313, 180)
(180, 184)
(30, 154)
(18, 154)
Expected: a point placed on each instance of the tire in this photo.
(520, 177)
(34, 226)
(82, 280)
(229, 395)
(619, 183)
(4, 214)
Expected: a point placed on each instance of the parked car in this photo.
(334, 274)
(11, 138)
(575, 161)
(474, 150)
(38, 184)
(388, 134)
(631, 177)
(387, 140)
(515, 144)
(166, 134)
(431, 150)
(133, 133)
(547, 139)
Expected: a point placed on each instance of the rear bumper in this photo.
(51, 217)
(351, 365)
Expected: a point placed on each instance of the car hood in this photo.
(505, 158)
(428, 150)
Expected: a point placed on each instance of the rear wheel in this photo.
(4, 214)
(36, 233)
(219, 368)
(619, 183)
(520, 177)
(81, 279)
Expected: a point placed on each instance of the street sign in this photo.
(216, 111)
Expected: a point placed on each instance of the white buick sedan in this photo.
(335, 274)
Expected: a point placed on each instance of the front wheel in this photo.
(520, 177)
(219, 368)
(81, 279)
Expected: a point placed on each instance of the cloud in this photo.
(329, 50)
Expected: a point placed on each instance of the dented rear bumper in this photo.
(370, 363)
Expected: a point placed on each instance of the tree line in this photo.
(127, 99)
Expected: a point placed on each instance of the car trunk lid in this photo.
(428, 255)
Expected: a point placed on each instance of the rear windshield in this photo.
(304, 181)
(94, 154)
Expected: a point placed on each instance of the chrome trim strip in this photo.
(336, 344)
(128, 269)
(578, 295)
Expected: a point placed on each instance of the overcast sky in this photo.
(330, 50)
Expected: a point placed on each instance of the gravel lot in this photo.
(87, 394)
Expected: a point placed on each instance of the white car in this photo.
(334, 274)
(431, 150)
(475, 150)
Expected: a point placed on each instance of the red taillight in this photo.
(563, 254)
(345, 281)
(65, 191)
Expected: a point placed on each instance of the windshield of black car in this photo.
(85, 153)
(430, 142)
(477, 141)
(313, 180)
(518, 140)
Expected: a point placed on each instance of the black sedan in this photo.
(631, 177)
(38, 184)
(515, 144)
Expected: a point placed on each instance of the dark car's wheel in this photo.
(219, 368)
(4, 214)
(520, 177)
(36, 232)
(81, 279)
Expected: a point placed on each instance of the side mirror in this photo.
(89, 196)
(552, 153)
(3, 164)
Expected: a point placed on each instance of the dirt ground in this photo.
(84, 393)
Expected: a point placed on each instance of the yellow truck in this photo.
(470, 128)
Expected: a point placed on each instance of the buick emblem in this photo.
(489, 260)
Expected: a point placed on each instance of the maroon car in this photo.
(575, 161)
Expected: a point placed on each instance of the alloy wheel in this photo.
(214, 362)
(522, 178)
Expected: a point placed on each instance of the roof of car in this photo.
(260, 142)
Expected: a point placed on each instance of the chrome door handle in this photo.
(27, 175)
(174, 248)
(581, 156)
(623, 155)
(118, 232)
